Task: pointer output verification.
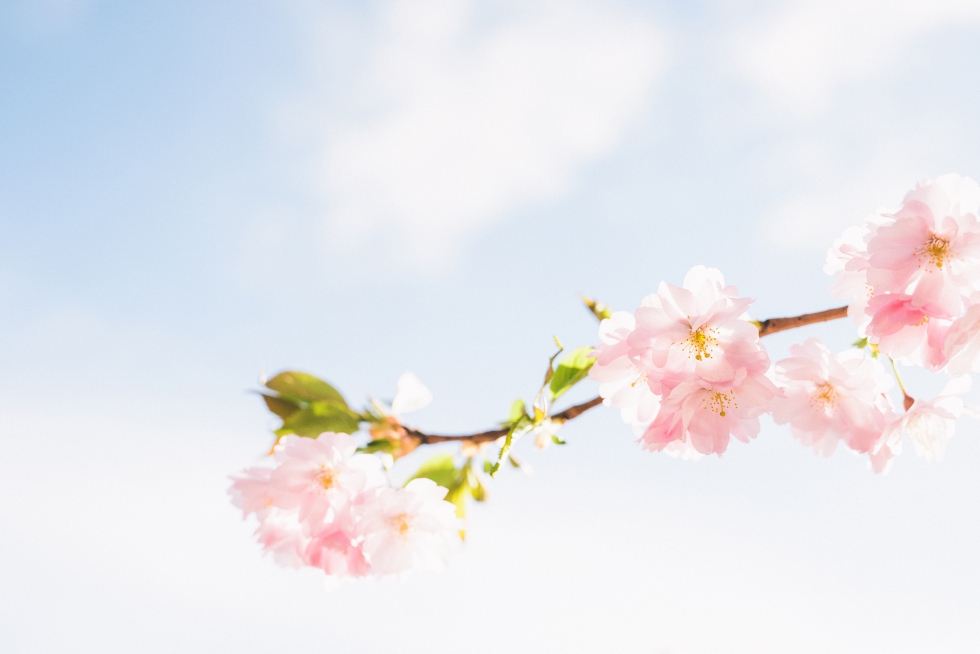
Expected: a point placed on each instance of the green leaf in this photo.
(517, 411)
(319, 417)
(457, 495)
(487, 466)
(305, 387)
(861, 343)
(280, 406)
(441, 469)
(557, 441)
(571, 370)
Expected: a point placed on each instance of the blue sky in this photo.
(197, 192)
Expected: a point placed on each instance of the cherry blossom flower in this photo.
(829, 398)
(281, 534)
(706, 415)
(847, 262)
(411, 527)
(622, 382)
(929, 424)
(325, 506)
(411, 395)
(931, 249)
(250, 490)
(904, 329)
(694, 332)
(321, 477)
(962, 342)
(336, 549)
(686, 369)
(705, 361)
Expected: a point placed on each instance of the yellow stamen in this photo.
(825, 397)
(325, 477)
(700, 342)
(936, 250)
(719, 402)
(401, 525)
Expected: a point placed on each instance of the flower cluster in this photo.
(688, 372)
(685, 369)
(913, 276)
(325, 505)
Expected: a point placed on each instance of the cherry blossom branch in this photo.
(494, 434)
(766, 327)
(773, 325)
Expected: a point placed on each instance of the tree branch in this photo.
(766, 327)
(774, 325)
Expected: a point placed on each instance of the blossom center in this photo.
(401, 525)
(719, 402)
(701, 342)
(641, 375)
(936, 251)
(825, 397)
(326, 478)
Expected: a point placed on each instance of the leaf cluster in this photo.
(308, 405)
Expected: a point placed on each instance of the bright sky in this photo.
(192, 193)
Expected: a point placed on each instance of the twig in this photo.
(774, 325)
(766, 327)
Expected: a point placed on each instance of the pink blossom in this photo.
(694, 332)
(912, 273)
(336, 549)
(281, 534)
(411, 527)
(622, 382)
(321, 477)
(829, 398)
(929, 424)
(706, 415)
(931, 250)
(847, 261)
(962, 342)
(902, 329)
(686, 369)
(250, 490)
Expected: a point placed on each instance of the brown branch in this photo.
(766, 327)
(774, 325)
(494, 434)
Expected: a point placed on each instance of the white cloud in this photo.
(801, 55)
(467, 117)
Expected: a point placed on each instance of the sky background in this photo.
(193, 194)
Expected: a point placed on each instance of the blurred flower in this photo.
(321, 477)
(411, 527)
(326, 506)
(929, 424)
